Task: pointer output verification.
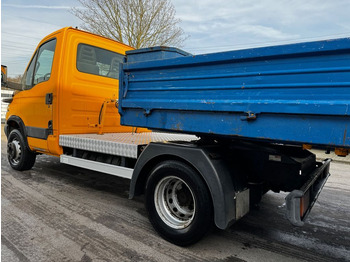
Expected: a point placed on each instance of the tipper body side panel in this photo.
(298, 93)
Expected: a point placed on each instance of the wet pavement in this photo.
(56, 212)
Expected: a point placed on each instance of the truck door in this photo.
(37, 97)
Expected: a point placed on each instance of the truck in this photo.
(202, 137)
(3, 75)
(8, 84)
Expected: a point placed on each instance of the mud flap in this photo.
(300, 201)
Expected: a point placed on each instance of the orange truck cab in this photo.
(70, 86)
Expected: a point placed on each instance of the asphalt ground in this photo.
(56, 212)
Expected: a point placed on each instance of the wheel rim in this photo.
(174, 202)
(14, 151)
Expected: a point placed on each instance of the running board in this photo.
(114, 170)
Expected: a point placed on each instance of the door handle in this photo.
(48, 99)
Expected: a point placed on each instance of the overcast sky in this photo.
(211, 26)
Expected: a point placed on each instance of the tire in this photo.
(178, 203)
(18, 154)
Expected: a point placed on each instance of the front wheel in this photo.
(178, 203)
(18, 155)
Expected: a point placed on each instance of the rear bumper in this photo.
(300, 201)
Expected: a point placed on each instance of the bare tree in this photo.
(15, 79)
(138, 23)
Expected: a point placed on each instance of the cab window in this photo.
(97, 61)
(39, 69)
(27, 80)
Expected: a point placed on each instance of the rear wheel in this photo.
(18, 154)
(178, 203)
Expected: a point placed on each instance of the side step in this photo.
(119, 144)
(97, 166)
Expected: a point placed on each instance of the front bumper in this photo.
(299, 202)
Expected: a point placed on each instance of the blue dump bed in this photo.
(298, 93)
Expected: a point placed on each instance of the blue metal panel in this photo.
(154, 53)
(297, 93)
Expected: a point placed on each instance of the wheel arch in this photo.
(142, 172)
(15, 122)
(213, 171)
